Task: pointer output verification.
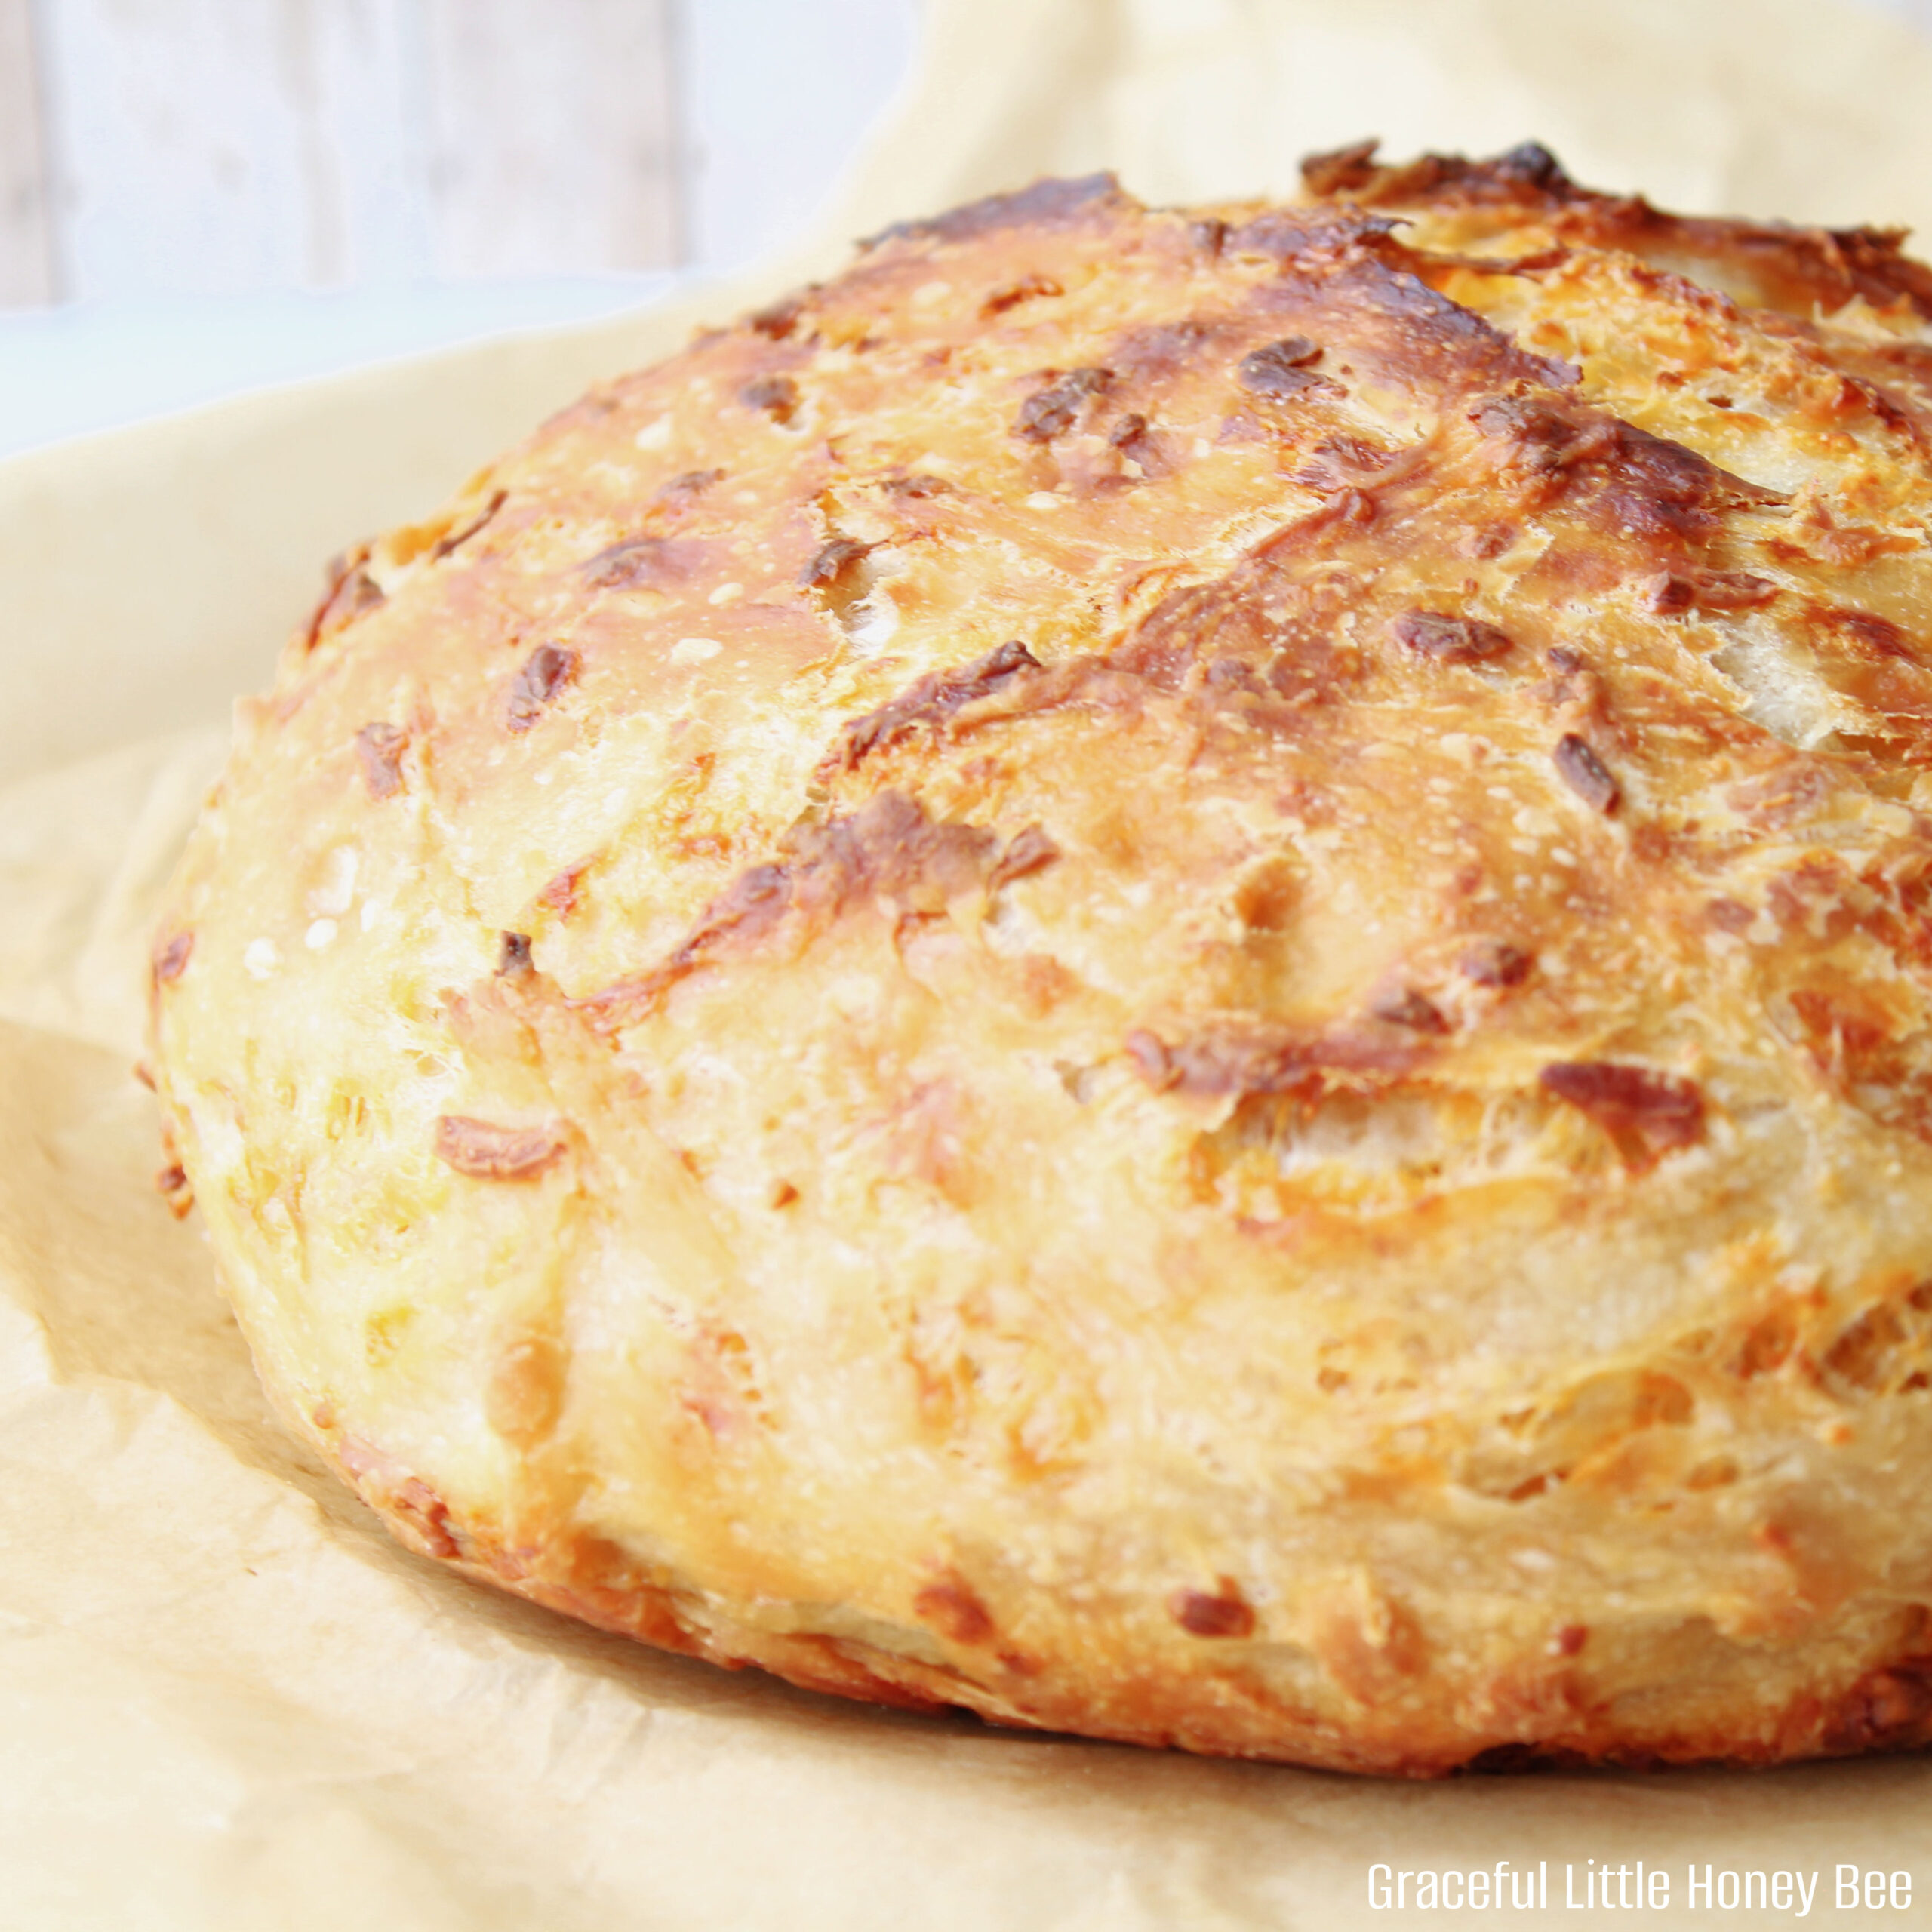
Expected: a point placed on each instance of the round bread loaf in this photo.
(1167, 972)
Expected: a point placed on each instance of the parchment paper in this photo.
(226, 1700)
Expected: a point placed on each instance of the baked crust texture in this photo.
(1167, 972)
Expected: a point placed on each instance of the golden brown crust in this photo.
(1166, 972)
(1774, 264)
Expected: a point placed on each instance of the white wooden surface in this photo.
(218, 145)
(215, 147)
(775, 95)
(554, 141)
(26, 267)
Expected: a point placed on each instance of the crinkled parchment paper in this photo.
(226, 1700)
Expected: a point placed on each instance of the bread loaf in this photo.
(1165, 971)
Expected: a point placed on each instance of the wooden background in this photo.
(215, 146)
